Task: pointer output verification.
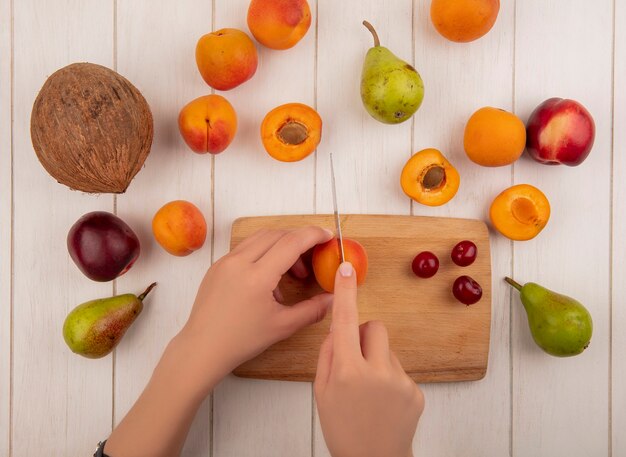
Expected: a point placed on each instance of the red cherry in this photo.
(425, 264)
(466, 290)
(464, 253)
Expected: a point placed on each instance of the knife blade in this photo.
(335, 210)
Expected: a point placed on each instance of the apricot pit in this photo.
(291, 132)
(429, 178)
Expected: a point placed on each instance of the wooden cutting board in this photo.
(435, 337)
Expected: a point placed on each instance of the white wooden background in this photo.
(529, 405)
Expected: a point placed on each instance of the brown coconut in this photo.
(91, 128)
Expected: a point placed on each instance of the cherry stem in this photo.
(370, 27)
(147, 291)
(515, 284)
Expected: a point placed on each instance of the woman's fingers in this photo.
(287, 250)
(375, 343)
(255, 247)
(295, 317)
(345, 324)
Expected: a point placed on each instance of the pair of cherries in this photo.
(465, 289)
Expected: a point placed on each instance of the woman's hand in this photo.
(237, 313)
(368, 405)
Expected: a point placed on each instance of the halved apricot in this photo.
(429, 179)
(520, 212)
(291, 132)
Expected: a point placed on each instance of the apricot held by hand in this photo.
(327, 258)
(102, 245)
(179, 227)
(279, 24)
(391, 89)
(208, 124)
(291, 132)
(520, 212)
(226, 58)
(429, 179)
(91, 128)
(560, 131)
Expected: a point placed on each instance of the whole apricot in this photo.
(327, 258)
(429, 178)
(464, 20)
(291, 132)
(226, 58)
(179, 227)
(279, 24)
(494, 137)
(520, 212)
(208, 124)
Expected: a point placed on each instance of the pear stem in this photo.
(370, 27)
(515, 284)
(147, 291)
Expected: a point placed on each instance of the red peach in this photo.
(560, 131)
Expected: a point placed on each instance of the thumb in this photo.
(304, 313)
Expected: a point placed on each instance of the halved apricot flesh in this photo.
(291, 132)
(429, 179)
(520, 212)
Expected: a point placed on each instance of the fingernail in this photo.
(345, 269)
(329, 232)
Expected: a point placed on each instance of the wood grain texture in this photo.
(459, 79)
(368, 156)
(560, 406)
(6, 199)
(618, 299)
(439, 340)
(60, 399)
(263, 418)
(156, 42)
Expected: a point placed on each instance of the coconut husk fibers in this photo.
(91, 128)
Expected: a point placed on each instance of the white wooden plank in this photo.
(5, 224)
(460, 78)
(156, 42)
(59, 399)
(560, 406)
(618, 331)
(368, 156)
(263, 418)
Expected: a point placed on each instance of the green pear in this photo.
(391, 89)
(560, 325)
(95, 327)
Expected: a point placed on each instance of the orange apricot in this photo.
(429, 179)
(226, 58)
(179, 227)
(208, 124)
(291, 132)
(520, 212)
(279, 24)
(494, 137)
(464, 20)
(327, 258)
